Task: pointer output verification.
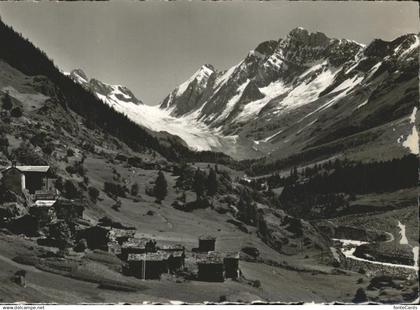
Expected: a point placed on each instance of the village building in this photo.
(96, 237)
(231, 265)
(148, 265)
(69, 209)
(176, 261)
(26, 225)
(121, 235)
(29, 178)
(43, 211)
(211, 268)
(206, 243)
(114, 248)
(137, 246)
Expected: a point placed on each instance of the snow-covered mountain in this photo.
(196, 134)
(306, 92)
(303, 95)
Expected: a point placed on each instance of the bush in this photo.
(70, 190)
(7, 102)
(27, 155)
(59, 184)
(76, 168)
(135, 162)
(256, 283)
(16, 112)
(81, 246)
(93, 193)
(4, 142)
(251, 251)
(48, 149)
(117, 205)
(70, 152)
(360, 296)
(161, 187)
(135, 189)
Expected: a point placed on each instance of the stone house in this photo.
(30, 178)
(211, 268)
(43, 211)
(231, 265)
(137, 246)
(96, 237)
(206, 243)
(147, 265)
(69, 209)
(176, 261)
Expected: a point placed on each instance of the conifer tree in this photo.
(199, 183)
(161, 187)
(212, 183)
(7, 102)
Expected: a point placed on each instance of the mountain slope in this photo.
(25, 57)
(305, 91)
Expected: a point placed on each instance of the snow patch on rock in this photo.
(412, 141)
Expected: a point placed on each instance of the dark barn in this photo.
(210, 268)
(206, 243)
(27, 225)
(43, 211)
(121, 235)
(231, 264)
(69, 209)
(96, 237)
(137, 246)
(176, 261)
(148, 266)
(13, 179)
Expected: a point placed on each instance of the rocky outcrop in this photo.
(390, 252)
(373, 270)
(331, 231)
(287, 234)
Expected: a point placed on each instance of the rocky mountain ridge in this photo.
(303, 91)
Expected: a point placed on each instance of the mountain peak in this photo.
(207, 66)
(306, 37)
(79, 74)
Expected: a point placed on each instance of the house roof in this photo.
(207, 237)
(29, 168)
(171, 247)
(33, 168)
(233, 255)
(176, 253)
(119, 233)
(44, 203)
(158, 256)
(210, 258)
(135, 243)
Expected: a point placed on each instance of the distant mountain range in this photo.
(303, 94)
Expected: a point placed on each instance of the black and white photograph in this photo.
(209, 152)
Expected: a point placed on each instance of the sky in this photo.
(153, 46)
